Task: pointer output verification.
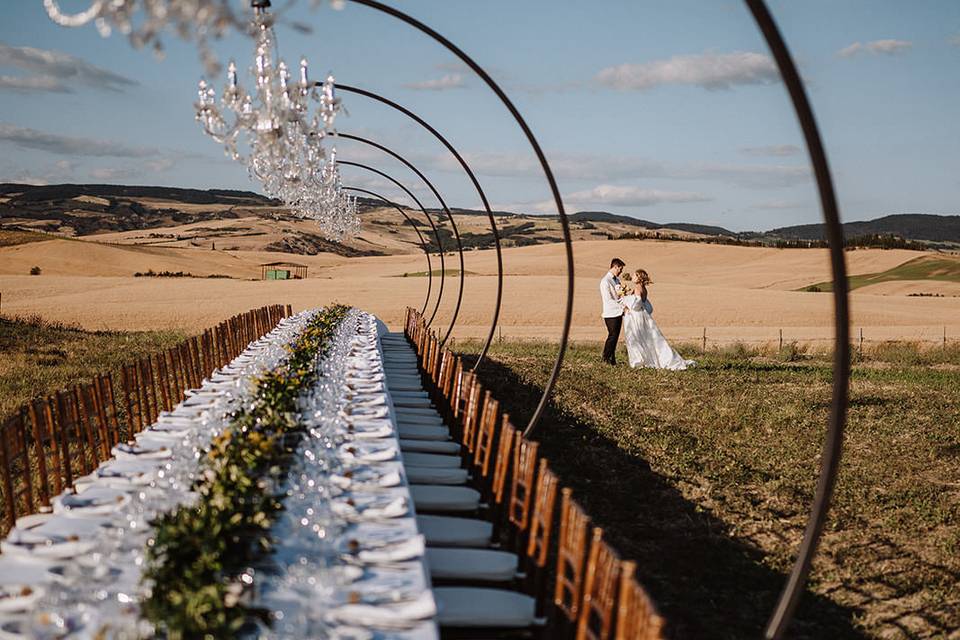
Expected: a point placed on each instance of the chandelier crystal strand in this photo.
(192, 20)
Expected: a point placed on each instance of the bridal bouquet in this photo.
(624, 290)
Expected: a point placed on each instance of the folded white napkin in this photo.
(395, 507)
(407, 550)
(369, 451)
(391, 478)
(400, 615)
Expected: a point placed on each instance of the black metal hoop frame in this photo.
(833, 442)
(443, 204)
(436, 231)
(547, 172)
(423, 243)
(476, 184)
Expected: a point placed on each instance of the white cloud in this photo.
(160, 164)
(33, 83)
(448, 81)
(779, 205)
(113, 173)
(631, 196)
(55, 69)
(888, 47)
(711, 71)
(775, 150)
(572, 166)
(27, 138)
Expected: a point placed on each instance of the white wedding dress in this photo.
(646, 345)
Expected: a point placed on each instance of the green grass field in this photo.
(705, 478)
(39, 357)
(921, 268)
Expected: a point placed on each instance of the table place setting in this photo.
(75, 572)
(349, 561)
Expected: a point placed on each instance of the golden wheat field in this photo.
(735, 293)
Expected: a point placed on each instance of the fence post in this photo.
(704, 349)
(861, 342)
(944, 337)
(781, 339)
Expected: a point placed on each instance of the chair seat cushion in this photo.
(429, 459)
(429, 446)
(450, 531)
(423, 432)
(417, 411)
(431, 497)
(479, 607)
(436, 475)
(486, 565)
(403, 418)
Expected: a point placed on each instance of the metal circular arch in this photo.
(483, 198)
(423, 243)
(833, 442)
(453, 223)
(547, 172)
(436, 232)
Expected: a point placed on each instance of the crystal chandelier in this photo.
(274, 134)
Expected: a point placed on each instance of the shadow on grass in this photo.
(706, 583)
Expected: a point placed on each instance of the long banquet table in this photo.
(348, 561)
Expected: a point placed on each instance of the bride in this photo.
(646, 346)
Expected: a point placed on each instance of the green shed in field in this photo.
(283, 271)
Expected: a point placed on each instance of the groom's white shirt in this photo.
(612, 308)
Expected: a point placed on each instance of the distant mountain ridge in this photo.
(911, 226)
(85, 209)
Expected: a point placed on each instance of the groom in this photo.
(612, 308)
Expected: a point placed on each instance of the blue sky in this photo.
(668, 110)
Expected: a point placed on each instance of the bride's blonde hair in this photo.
(642, 276)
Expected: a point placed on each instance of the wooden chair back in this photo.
(471, 414)
(521, 482)
(486, 434)
(541, 520)
(571, 554)
(73, 439)
(599, 591)
(446, 373)
(45, 438)
(637, 617)
(131, 399)
(461, 392)
(501, 466)
(91, 421)
(111, 418)
(15, 471)
(452, 393)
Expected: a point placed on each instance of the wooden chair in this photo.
(637, 617)
(471, 415)
(68, 434)
(45, 438)
(107, 405)
(15, 472)
(571, 552)
(521, 483)
(599, 591)
(131, 398)
(91, 421)
(461, 392)
(541, 533)
(486, 435)
(147, 391)
(167, 393)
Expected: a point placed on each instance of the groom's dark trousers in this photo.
(613, 334)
